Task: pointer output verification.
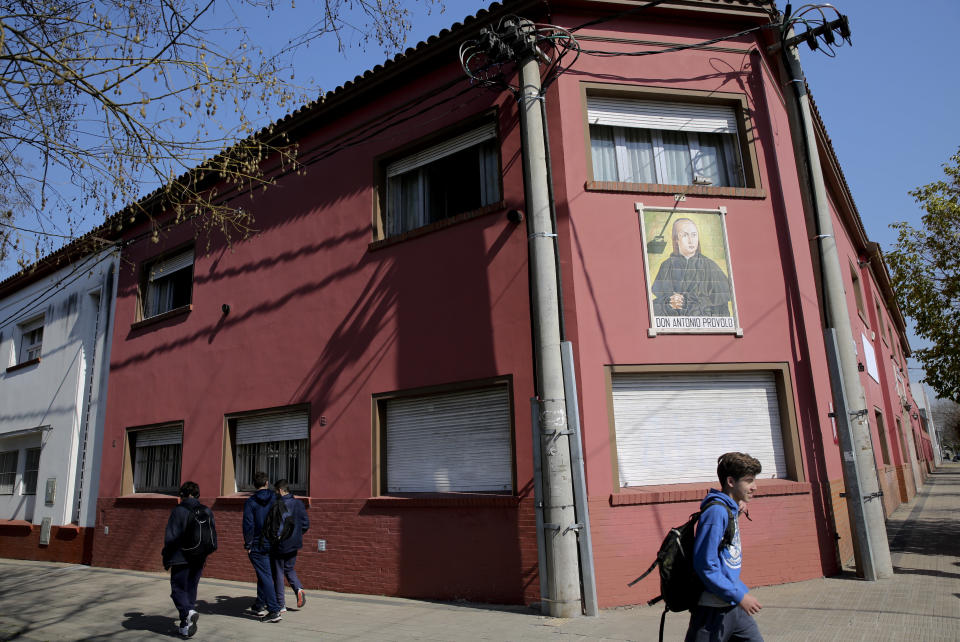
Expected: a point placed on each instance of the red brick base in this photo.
(479, 549)
(21, 540)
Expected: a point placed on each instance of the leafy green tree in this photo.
(102, 101)
(925, 266)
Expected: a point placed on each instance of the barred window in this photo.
(8, 471)
(30, 471)
(156, 459)
(279, 459)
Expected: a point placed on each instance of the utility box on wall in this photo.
(45, 531)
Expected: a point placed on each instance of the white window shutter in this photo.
(650, 114)
(451, 442)
(277, 426)
(671, 428)
(162, 436)
(440, 150)
(172, 264)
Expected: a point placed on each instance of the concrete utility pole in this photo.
(860, 471)
(561, 536)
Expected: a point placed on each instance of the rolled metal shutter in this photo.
(170, 265)
(161, 436)
(671, 428)
(446, 148)
(650, 114)
(451, 442)
(276, 426)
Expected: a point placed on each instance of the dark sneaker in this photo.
(192, 617)
(301, 598)
(259, 610)
(272, 616)
(188, 631)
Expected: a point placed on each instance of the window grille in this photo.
(30, 471)
(8, 471)
(279, 459)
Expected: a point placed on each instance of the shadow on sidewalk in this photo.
(229, 606)
(159, 624)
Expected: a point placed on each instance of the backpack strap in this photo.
(730, 531)
(663, 621)
(646, 572)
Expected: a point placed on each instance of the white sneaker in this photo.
(283, 609)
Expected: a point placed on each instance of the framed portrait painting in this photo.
(689, 275)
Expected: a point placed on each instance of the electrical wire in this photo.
(692, 45)
(56, 286)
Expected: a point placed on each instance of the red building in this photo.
(372, 342)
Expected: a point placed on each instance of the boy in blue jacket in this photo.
(255, 511)
(726, 607)
(284, 557)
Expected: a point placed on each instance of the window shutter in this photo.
(170, 265)
(446, 148)
(453, 442)
(277, 426)
(159, 436)
(650, 114)
(671, 428)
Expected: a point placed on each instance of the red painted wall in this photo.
(318, 316)
(21, 540)
(776, 298)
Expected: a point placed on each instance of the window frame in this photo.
(857, 285)
(25, 487)
(129, 485)
(145, 293)
(230, 484)
(751, 187)
(379, 403)
(24, 330)
(382, 162)
(790, 432)
(4, 457)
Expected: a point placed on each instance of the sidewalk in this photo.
(45, 601)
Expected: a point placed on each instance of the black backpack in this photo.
(680, 586)
(199, 538)
(278, 524)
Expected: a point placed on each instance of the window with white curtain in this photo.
(448, 442)
(156, 459)
(456, 176)
(647, 141)
(169, 284)
(31, 340)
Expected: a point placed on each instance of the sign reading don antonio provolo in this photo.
(689, 276)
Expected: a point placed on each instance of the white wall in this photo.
(58, 403)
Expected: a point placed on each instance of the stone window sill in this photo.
(689, 190)
(169, 314)
(674, 493)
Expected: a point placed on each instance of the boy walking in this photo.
(187, 567)
(258, 548)
(285, 554)
(726, 608)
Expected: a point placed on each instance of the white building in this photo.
(55, 334)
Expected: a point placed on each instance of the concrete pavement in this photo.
(45, 601)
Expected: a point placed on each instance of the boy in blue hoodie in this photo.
(255, 511)
(726, 607)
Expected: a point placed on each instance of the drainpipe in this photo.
(560, 536)
(860, 471)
